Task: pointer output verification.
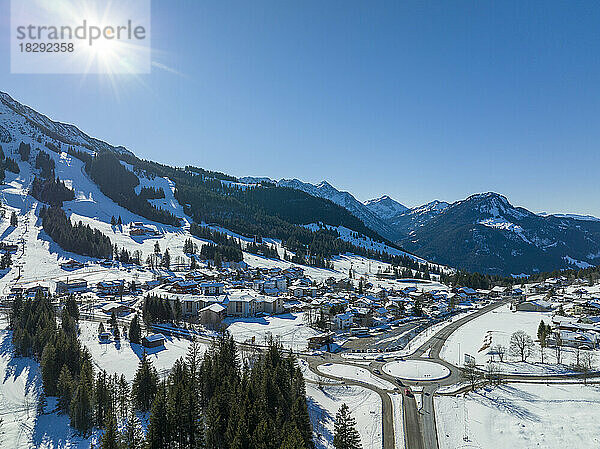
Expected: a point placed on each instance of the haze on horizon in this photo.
(417, 101)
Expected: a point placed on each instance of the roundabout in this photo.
(423, 370)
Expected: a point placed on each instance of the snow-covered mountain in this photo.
(385, 207)
(486, 233)
(63, 132)
(407, 221)
(347, 201)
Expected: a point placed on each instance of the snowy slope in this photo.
(69, 134)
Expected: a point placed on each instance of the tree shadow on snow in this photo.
(16, 366)
(8, 231)
(510, 403)
(319, 417)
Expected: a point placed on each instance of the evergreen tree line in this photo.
(476, 280)
(7, 163)
(24, 151)
(82, 156)
(118, 183)
(152, 193)
(262, 249)
(66, 367)
(157, 310)
(51, 191)
(79, 238)
(45, 163)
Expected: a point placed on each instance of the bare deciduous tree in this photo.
(471, 374)
(500, 351)
(587, 362)
(521, 345)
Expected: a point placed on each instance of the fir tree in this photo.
(110, 438)
(135, 330)
(81, 409)
(345, 434)
(145, 385)
(158, 426)
(64, 390)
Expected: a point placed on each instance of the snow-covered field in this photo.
(289, 329)
(124, 357)
(521, 416)
(495, 328)
(416, 369)
(365, 407)
(355, 373)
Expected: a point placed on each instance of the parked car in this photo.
(376, 371)
(408, 393)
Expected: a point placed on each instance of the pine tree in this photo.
(81, 409)
(145, 385)
(110, 438)
(50, 369)
(64, 390)
(101, 329)
(166, 259)
(133, 436)
(158, 427)
(345, 434)
(113, 222)
(135, 330)
(13, 219)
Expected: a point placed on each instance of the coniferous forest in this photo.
(209, 401)
(118, 183)
(78, 238)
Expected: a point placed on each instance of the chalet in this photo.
(32, 292)
(149, 285)
(343, 321)
(318, 341)
(212, 288)
(104, 337)
(73, 286)
(117, 308)
(71, 265)
(184, 287)
(8, 247)
(137, 228)
(497, 291)
(153, 341)
(110, 287)
(241, 306)
(538, 305)
(212, 315)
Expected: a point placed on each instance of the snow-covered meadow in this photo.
(521, 416)
(365, 406)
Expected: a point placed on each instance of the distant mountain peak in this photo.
(385, 207)
(325, 190)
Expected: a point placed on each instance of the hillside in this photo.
(108, 183)
(486, 233)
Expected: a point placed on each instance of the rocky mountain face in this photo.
(486, 233)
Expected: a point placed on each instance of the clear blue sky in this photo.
(419, 100)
